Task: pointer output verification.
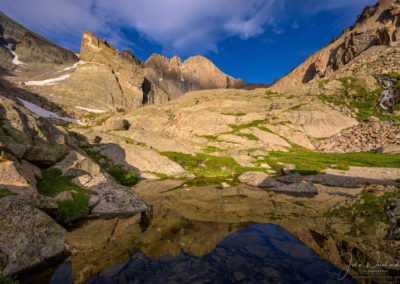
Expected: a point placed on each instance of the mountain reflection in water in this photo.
(257, 254)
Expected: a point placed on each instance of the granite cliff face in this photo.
(377, 26)
(195, 73)
(108, 79)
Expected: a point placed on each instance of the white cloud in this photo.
(184, 27)
(196, 25)
(177, 25)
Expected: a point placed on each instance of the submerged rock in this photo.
(299, 189)
(28, 237)
(259, 179)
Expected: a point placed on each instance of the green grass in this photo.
(307, 162)
(205, 166)
(118, 172)
(394, 75)
(76, 125)
(296, 107)
(248, 136)
(212, 149)
(122, 176)
(72, 210)
(356, 97)
(254, 123)
(161, 176)
(272, 93)
(211, 138)
(235, 114)
(5, 192)
(53, 183)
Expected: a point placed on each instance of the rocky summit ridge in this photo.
(377, 26)
(100, 135)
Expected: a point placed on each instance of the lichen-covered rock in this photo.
(28, 237)
(115, 200)
(27, 136)
(12, 178)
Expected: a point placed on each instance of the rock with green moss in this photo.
(28, 237)
(114, 200)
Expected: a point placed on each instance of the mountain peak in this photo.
(376, 26)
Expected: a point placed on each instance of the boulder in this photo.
(27, 136)
(289, 178)
(65, 195)
(139, 158)
(115, 200)
(13, 179)
(28, 238)
(118, 124)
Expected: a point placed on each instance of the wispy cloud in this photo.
(179, 26)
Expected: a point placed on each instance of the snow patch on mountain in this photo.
(45, 113)
(47, 81)
(91, 109)
(15, 59)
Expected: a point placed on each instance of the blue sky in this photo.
(256, 40)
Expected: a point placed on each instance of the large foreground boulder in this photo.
(115, 200)
(28, 237)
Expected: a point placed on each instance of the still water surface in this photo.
(257, 254)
